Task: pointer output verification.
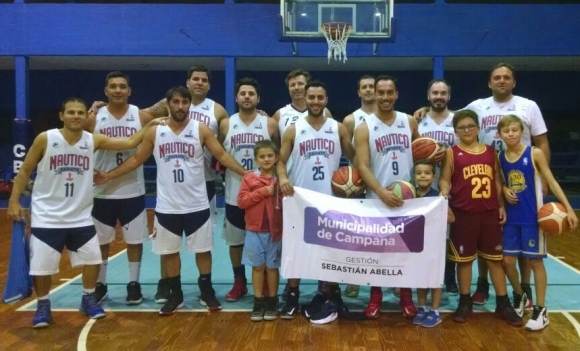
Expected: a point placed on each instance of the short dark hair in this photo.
(116, 74)
(296, 73)
(247, 81)
(366, 76)
(434, 81)
(178, 90)
(506, 65)
(198, 68)
(265, 144)
(463, 114)
(424, 162)
(72, 99)
(385, 77)
(316, 84)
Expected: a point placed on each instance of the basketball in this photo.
(347, 182)
(424, 149)
(402, 189)
(552, 218)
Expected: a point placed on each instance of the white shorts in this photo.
(47, 244)
(168, 231)
(234, 232)
(131, 215)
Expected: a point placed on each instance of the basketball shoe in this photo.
(505, 311)
(100, 292)
(238, 291)
(539, 319)
(43, 316)
(481, 294)
(530, 305)
(292, 307)
(406, 303)
(163, 290)
(173, 303)
(90, 306)
(134, 296)
(258, 310)
(271, 308)
(209, 300)
(373, 309)
(464, 308)
(520, 302)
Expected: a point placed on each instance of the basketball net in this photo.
(336, 34)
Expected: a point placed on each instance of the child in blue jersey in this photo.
(424, 173)
(521, 168)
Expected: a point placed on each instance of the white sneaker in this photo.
(520, 302)
(539, 319)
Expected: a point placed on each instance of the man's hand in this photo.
(420, 114)
(263, 113)
(15, 212)
(95, 106)
(100, 177)
(286, 187)
(440, 154)
(389, 198)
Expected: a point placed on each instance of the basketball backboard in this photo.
(371, 20)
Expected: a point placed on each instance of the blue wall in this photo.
(245, 30)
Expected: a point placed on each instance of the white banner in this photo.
(360, 241)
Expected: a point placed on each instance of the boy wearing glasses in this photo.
(470, 179)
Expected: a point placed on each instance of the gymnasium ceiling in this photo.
(535, 63)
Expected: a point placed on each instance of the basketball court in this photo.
(361, 28)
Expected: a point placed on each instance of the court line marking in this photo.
(555, 258)
(572, 320)
(83, 336)
(69, 282)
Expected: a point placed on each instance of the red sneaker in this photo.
(406, 303)
(238, 290)
(373, 309)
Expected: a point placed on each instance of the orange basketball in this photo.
(347, 182)
(403, 190)
(553, 218)
(424, 149)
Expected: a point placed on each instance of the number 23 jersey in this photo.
(473, 186)
(180, 170)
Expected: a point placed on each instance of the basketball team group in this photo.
(89, 178)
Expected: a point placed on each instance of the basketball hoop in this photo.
(336, 34)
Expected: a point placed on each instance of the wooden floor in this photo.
(233, 331)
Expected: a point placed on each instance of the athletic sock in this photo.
(134, 271)
(103, 272)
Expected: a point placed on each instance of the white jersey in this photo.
(180, 175)
(490, 112)
(359, 117)
(62, 196)
(443, 133)
(391, 158)
(240, 142)
(315, 156)
(288, 116)
(128, 185)
(205, 113)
